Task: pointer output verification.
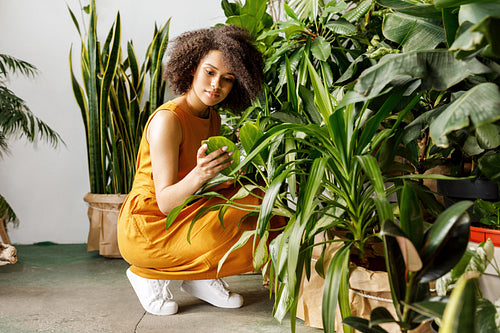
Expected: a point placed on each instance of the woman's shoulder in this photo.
(165, 120)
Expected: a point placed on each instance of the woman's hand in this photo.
(208, 166)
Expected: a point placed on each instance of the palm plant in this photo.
(116, 100)
(17, 120)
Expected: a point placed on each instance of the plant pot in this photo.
(457, 190)
(368, 290)
(478, 235)
(103, 214)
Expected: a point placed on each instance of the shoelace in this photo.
(221, 285)
(167, 294)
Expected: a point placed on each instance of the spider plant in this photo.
(117, 97)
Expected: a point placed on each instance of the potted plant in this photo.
(416, 256)
(316, 173)
(456, 124)
(481, 261)
(16, 121)
(489, 222)
(116, 100)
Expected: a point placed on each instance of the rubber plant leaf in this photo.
(445, 242)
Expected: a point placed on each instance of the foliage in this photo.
(116, 100)
(416, 255)
(489, 213)
(17, 120)
(458, 77)
(478, 310)
(352, 93)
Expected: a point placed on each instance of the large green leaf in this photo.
(489, 164)
(305, 9)
(456, 3)
(436, 69)
(477, 11)
(448, 235)
(394, 261)
(476, 107)
(359, 11)
(252, 16)
(249, 134)
(321, 48)
(342, 27)
(423, 10)
(412, 32)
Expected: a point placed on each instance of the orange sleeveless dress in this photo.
(155, 252)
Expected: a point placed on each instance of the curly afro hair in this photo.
(239, 52)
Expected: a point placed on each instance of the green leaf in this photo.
(290, 84)
(417, 9)
(488, 136)
(342, 27)
(459, 314)
(249, 135)
(448, 234)
(411, 220)
(435, 69)
(412, 32)
(338, 270)
(381, 315)
(363, 325)
(359, 11)
(321, 48)
(476, 107)
(261, 254)
(215, 142)
(432, 307)
(486, 315)
(321, 93)
(245, 236)
(489, 164)
(269, 199)
(308, 9)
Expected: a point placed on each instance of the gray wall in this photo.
(46, 186)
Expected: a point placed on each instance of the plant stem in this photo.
(408, 293)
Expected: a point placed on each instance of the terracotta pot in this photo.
(478, 235)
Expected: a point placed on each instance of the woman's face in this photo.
(212, 81)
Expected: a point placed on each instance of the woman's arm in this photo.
(164, 135)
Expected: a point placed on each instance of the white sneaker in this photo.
(154, 295)
(215, 292)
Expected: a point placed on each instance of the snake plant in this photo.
(116, 97)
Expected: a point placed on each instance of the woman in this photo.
(207, 67)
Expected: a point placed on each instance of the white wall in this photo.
(46, 186)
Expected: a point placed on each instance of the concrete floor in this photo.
(62, 288)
